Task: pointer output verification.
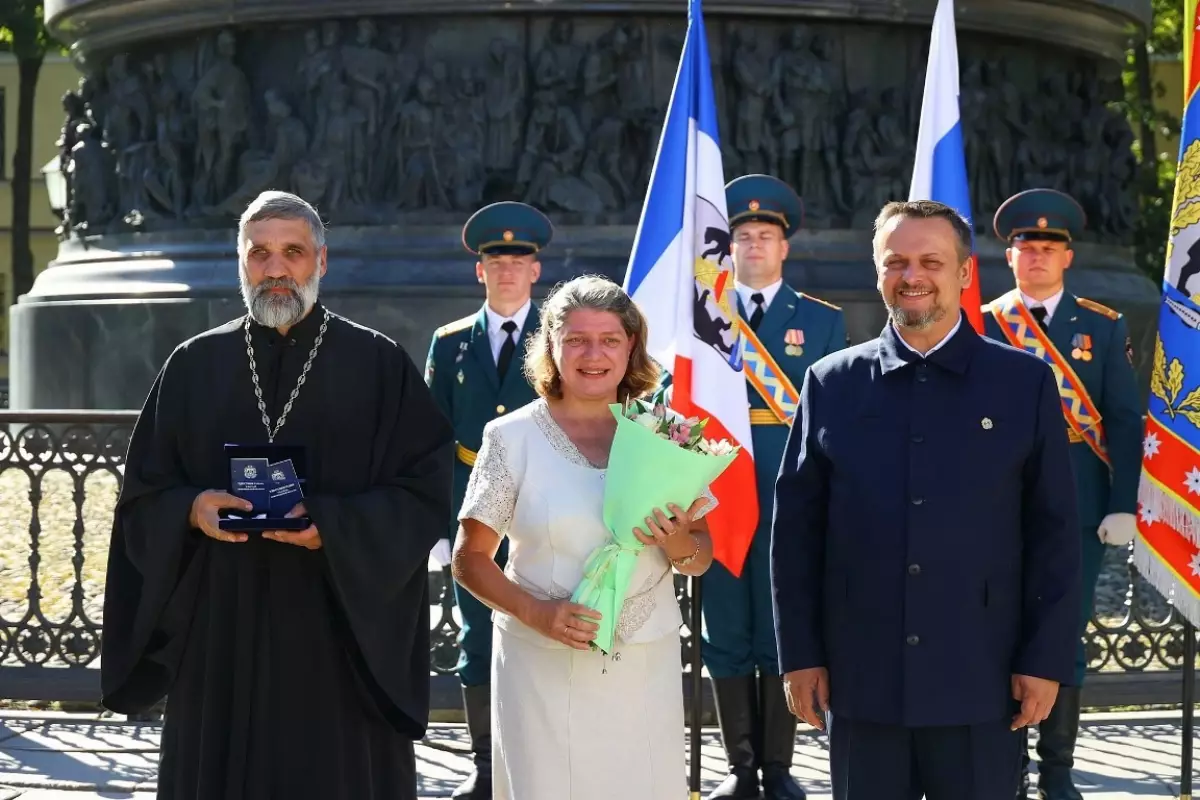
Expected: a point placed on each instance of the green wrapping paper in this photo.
(645, 472)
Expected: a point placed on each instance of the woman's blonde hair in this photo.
(595, 293)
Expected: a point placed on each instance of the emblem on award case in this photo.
(271, 478)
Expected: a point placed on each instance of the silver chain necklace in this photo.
(262, 406)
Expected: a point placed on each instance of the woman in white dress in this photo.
(569, 723)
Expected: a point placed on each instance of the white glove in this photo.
(441, 553)
(1117, 529)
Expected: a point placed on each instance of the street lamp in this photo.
(56, 186)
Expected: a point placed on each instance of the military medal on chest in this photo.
(793, 340)
(1081, 347)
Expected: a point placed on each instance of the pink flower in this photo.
(681, 433)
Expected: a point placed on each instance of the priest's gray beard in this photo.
(277, 310)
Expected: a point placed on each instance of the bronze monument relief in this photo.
(399, 118)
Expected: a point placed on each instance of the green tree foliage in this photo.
(1156, 128)
(1166, 32)
(23, 32)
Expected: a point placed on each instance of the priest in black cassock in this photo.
(295, 663)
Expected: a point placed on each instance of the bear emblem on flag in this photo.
(1185, 232)
(714, 313)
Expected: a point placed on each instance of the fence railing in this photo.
(60, 472)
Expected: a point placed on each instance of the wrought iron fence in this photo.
(59, 477)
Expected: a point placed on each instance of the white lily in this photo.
(721, 447)
(648, 421)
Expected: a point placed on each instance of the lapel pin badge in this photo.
(460, 376)
(985, 423)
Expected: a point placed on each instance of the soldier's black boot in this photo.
(1056, 747)
(1023, 782)
(477, 700)
(737, 711)
(778, 727)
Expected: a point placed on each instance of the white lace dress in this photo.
(570, 724)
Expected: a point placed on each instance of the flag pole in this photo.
(697, 689)
(940, 130)
(1189, 690)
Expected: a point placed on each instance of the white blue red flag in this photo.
(681, 275)
(940, 167)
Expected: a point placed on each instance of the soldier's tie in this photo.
(757, 315)
(1039, 314)
(507, 349)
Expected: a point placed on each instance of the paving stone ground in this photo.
(72, 757)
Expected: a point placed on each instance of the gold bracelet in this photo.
(683, 562)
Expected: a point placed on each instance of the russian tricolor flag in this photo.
(681, 275)
(940, 168)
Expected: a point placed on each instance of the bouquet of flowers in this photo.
(657, 457)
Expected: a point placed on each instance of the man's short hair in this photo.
(929, 209)
(282, 205)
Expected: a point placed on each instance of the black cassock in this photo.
(291, 673)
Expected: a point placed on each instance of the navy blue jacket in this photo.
(925, 545)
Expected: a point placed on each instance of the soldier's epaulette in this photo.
(1092, 305)
(819, 300)
(454, 327)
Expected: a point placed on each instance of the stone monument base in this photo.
(103, 321)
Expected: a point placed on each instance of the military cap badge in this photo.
(507, 227)
(763, 198)
(1039, 215)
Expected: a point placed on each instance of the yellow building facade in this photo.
(1167, 82)
(58, 75)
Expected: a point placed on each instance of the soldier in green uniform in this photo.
(788, 331)
(1090, 345)
(474, 370)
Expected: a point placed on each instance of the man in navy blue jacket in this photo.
(925, 550)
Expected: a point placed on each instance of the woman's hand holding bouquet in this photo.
(659, 459)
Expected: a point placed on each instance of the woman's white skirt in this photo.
(575, 725)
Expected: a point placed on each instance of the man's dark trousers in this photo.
(891, 762)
